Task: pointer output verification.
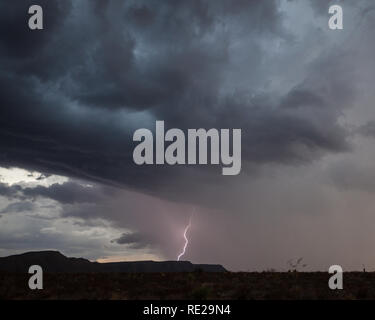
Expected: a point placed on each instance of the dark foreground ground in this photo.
(195, 285)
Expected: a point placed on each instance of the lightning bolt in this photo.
(186, 239)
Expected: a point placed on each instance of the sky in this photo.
(72, 95)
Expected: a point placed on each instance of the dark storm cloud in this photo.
(17, 42)
(18, 207)
(69, 95)
(134, 240)
(322, 6)
(70, 192)
(9, 191)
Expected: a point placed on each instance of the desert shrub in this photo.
(200, 293)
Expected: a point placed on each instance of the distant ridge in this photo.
(56, 262)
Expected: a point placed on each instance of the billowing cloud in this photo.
(198, 64)
(134, 240)
(18, 207)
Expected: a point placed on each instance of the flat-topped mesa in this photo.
(55, 262)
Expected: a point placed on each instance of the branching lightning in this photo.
(186, 239)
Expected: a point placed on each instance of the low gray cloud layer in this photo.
(135, 240)
(18, 207)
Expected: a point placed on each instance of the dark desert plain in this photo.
(188, 285)
(79, 279)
